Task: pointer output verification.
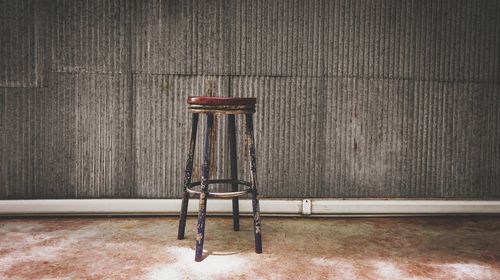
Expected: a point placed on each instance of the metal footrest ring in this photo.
(247, 190)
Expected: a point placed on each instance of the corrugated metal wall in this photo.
(356, 98)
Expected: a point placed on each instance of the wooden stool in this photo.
(229, 106)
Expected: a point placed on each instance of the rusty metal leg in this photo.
(187, 178)
(202, 211)
(253, 166)
(234, 169)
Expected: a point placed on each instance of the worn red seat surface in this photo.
(219, 100)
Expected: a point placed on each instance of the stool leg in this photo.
(234, 171)
(187, 178)
(253, 166)
(202, 211)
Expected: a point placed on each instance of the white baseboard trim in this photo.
(306, 207)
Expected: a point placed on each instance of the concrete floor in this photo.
(334, 248)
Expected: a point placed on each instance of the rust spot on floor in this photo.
(147, 248)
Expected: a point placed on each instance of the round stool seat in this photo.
(221, 101)
(221, 105)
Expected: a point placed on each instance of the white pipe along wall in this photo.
(272, 207)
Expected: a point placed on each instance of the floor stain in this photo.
(314, 248)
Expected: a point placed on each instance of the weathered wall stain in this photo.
(378, 98)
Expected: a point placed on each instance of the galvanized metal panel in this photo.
(162, 123)
(289, 126)
(84, 141)
(453, 153)
(17, 44)
(180, 37)
(210, 25)
(103, 134)
(457, 40)
(366, 138)
(407, 139)
(88, 36)
(69, 140)
(276, 38)
(17, 139)
(37, 152)
(228, 37)
(162, 37)
(54, 145)
(429, 40)
(368, 38)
